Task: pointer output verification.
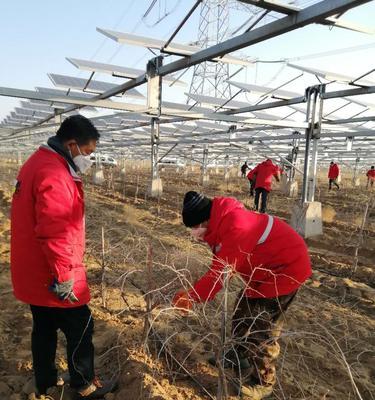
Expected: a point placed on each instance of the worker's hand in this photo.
(182, 301)
(64, 290)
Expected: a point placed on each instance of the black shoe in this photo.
(96, 390)
(63, 379)
(53, 393)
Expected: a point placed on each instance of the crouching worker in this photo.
(47, 248)
(272, 260)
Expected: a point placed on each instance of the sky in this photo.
(37, 35)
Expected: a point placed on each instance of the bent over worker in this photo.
(244, 168)
(263, 173)
(272, 260)
(47, 248)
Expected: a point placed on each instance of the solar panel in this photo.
(30, 113)
(184, 107)
(183, 49)
(331, 76)
(94, 86)
(43, 102)
(289, 9)
(185, 127)
(264, 90)
(36, 107)
(215, 101)
(19, 119)
(211, 125)
(233, 104)
(117, 70)
(22, 117)
(15, 125)
(264, 115)
(362, 103)
(57, 92)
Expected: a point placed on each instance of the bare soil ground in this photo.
(328, 345)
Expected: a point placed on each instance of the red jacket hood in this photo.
(221, 206)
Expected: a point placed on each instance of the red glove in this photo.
(182, 301)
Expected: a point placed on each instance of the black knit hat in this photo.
(196, 209)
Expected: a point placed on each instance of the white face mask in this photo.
(199, 233)
(82, 162)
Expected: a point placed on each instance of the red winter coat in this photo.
(276, 267)
(47, 231)
(371, 174)
(333, 171)
(264, 173)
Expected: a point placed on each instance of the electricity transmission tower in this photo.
(209, 78)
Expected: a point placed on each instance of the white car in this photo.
(171, 162)
(103, 159)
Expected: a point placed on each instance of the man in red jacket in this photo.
(370, 177)
(333, 174)
(263, 173)
(47, 248)
(273, 262)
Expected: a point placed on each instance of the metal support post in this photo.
(154, 85)
(205, 176)
(294, 156)
(312, 96)
(58, 119)
(226, 168)
(155, 131)
(316, 135)
(307, 216)
(355, 172)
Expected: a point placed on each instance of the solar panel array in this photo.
(201, 119)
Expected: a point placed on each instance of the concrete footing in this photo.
(290, 188)
(156, 187)
(98, 177)
(307, 219)
(205, 179)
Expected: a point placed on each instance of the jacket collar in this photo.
(55, 144)
(59, 149)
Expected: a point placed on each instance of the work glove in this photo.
(182, 301)
(64, 290)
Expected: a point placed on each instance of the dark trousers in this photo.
(77, 325)
(252, 185)
(333, 181)
(264, 193)
(256, 328)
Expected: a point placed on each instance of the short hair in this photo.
(79, 128)
(372, 167)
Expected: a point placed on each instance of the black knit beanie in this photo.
(196, 209)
